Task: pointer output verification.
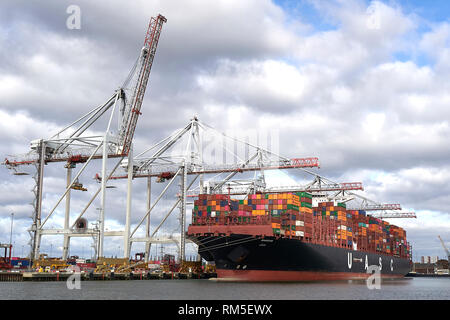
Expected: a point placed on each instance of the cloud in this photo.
(282, 85)
(368, 94)
(436, 44)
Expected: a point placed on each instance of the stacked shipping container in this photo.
(292, 215)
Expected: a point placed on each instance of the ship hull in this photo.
(246, 258)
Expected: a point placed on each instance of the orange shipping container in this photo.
(305, 210)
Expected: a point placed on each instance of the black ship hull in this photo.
(246, 258)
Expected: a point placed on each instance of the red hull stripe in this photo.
(268, 275)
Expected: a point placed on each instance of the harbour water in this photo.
(402, 289)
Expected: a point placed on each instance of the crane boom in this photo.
(337, 187)
(445, 248)
(392, 215)
(157, 171)
(321, 187)
(447, 252)
(133, 105)
(373, 207)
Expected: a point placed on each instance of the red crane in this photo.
(149, 50)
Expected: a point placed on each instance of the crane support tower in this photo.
(74, 146)
(446, 252)
(166, 165)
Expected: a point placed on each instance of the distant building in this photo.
(427, 259)
(442, 264)
(434, 259)
(440, 267)
(427, 268)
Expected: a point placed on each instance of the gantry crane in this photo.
(377, 210)
(446, 252)
(74, 145)
(166, 165)
(376, 207)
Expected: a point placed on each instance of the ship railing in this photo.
(233, 220)
(324, 235)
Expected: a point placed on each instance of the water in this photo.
(403, 289)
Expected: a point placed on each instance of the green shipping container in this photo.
(306, 205)
(304, 195)
(276, 231)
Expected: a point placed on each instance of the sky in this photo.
(362, 85)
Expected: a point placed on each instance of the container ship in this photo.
(292, 236)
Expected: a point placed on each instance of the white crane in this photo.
(168, 164)
(75, 144)
(447, 252)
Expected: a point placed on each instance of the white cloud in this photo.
(436, 44)
(276, 79)
(373, 124)
(338, 94)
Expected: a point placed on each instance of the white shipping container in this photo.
(300, 223)
(213, 214)
(282, 231)
(153, 266)
(299, 233)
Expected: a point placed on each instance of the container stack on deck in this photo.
(291, 215)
